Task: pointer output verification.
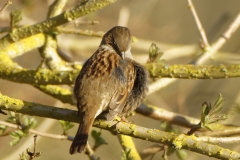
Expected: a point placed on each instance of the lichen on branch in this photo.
(178, 141)
(188, 71)
(80, 10)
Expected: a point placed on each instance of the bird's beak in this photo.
(123, 55)
(128, 53)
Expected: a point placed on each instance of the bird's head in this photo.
(119, 38)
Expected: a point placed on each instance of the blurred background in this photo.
(169, 24)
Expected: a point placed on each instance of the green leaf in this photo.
(66, 126)
(217, 108)
(20, 133)
(98, 139)
(29, 122)
(24, 156)
(14, 118)
(181, 154)
(15, 16)
(33, 123)
(205, 126)
(14, 141)
(2, 129)
(154, 54)
(17, 136)
(25, 120)
(211, 114)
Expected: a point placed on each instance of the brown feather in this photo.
(108, 82)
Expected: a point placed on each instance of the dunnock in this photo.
(110, 81)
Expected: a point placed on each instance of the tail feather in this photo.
(80, 140)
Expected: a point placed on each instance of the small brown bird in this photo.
(110, 81)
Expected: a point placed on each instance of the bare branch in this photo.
(219, 140)
(80, 32)
(80, 10)
(179, 141)
(85, 22)
(48, 135)
(220, 42)
(164, 115)
(199, 25)
(5, 6)
(193, 71)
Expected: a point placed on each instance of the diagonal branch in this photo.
(5, 6)
(86, 7)
(220, 41)
(128, 147)
(49, 51)
(199, 25)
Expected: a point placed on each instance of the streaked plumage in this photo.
(109, 81)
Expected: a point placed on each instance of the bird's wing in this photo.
(126, 76)
(139, 89)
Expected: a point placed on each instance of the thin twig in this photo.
(90, 153)
(205, 55)
(227, 132)
(199, 25)
(35, 143)
(164, 156)
(151, 150)
(78, 11)
(80, 32)
(221, 40)
(33, 154)
(85, 22)
(219, 140)
(49, 135)
(5, 6)
(124, 15)
(164, 115)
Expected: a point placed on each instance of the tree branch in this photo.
(62, 94)
(39, 76)
(219, 140)
(164, 115)
(179, 141)
(80, 32)
(128, 147)
(220, 42)
(33, 131)
(86, 7)
(199, 25)
(5, 6)
(49, 51)
(44, 76)
(193, 71)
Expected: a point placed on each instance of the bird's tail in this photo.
(80, 140)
